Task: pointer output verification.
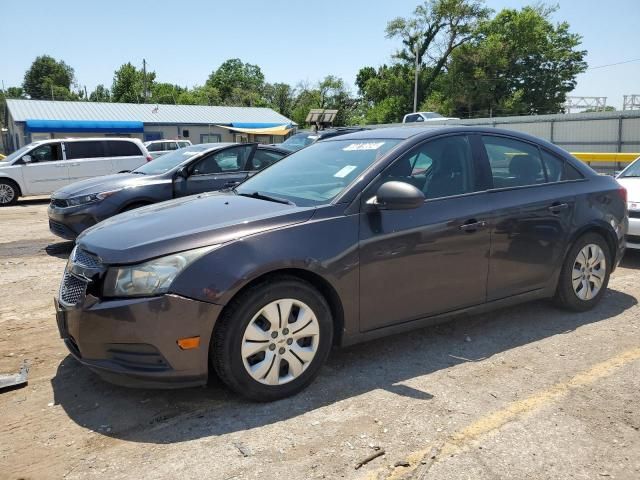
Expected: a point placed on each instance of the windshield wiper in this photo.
(269, 198)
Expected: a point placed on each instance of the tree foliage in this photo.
(237, 83)
(50, 79)
(129, 84)
(521, 63)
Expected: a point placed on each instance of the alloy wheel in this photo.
(280, 341)
(7, 193)
(589, 272)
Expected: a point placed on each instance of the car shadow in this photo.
(59, 249)
(169, 416)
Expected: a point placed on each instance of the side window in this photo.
(227, 161)
(46, 153)
(558, 169)
(171, 146)
(91, 149)
(155, 147)
(264, 158)
(411, 118)
(440, 168)
(122, 149)
(513, 163)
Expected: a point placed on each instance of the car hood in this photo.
(184, 224)
(105, 184)
(632, 184)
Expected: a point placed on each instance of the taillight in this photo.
(149, 158)
(623, 193)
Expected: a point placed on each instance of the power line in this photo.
(614, 64)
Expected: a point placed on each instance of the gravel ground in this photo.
(526, 392)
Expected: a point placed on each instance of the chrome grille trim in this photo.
(72, 289)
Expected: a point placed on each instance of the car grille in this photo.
(61, 230)
(72, 290)
(57, 202)
(80, 257)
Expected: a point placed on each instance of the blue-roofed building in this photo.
(30, 120)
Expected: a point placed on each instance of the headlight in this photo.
(150, 278)
(94, 197)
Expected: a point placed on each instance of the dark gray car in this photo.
(187, 171)
(352, 238)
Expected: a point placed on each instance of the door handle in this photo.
(472, 225)
(558, 207)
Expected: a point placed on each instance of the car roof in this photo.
(85, 139)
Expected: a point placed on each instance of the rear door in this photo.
(87, 159)
(47, 170)
(433, 259)
(533, 208)
(220, 169)
(126, 155)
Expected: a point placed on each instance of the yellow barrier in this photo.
(589, 157)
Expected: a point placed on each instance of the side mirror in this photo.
(182, 172)
(27, 159)
(398, 196)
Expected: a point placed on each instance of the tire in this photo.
(245, 326)
(582, 272)
(9, 193)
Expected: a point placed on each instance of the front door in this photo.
(433, 259)
(533, 215)
(218, 170)
(47, 171)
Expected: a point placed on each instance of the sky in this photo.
(291, 41)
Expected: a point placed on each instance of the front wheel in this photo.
(585, 274)
(272, 339)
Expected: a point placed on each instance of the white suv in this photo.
(425, 117)
(43, 167)
(160, 147)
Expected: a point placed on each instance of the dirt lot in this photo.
(527, 392)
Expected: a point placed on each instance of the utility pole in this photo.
(415, 86)
(51, 85)
(86, 95)
(144, 81)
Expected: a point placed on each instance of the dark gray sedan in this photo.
(187, 171)
(352, 238)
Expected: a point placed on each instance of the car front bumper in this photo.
(633, 234)
(133, 342)
(69, 222)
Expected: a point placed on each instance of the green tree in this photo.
(203, 95)
(433, 32)
(329, 93)
(129, 85)
(48, 78)
(11, 92)
(100, 94)
(237, 83)
(281, 97)
(387, 92)
(521, 63)
(166, 93)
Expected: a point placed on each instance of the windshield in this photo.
(632, 170)
(166, 162)
(18, 153)
(298, 141)
(319, 173)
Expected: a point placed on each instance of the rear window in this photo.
(122, 149)
(89, 149)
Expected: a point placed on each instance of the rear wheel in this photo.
(8, 193)
(272, 340)
(585, 274)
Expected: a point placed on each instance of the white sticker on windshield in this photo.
(344, 171)
(363, 146)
